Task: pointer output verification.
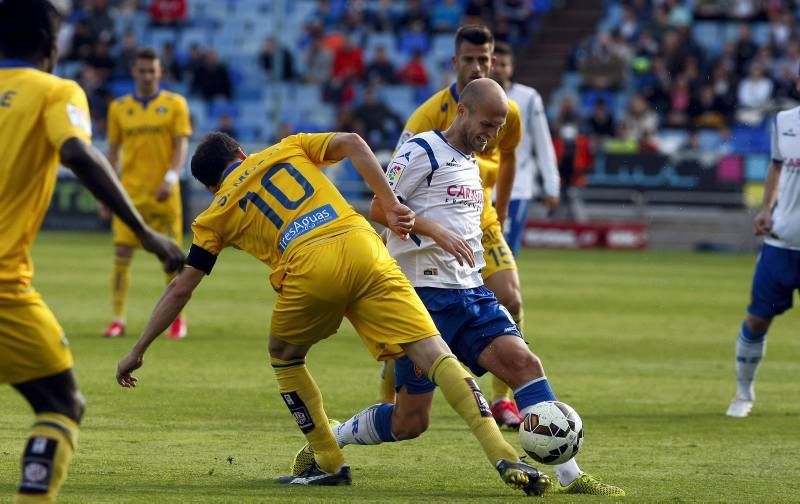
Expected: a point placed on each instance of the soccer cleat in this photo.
(506, 414)
(114, 330)
(304, 459)
(587, 484)
(313, 475)
(739, 407)
(522, 476)
(178, 329)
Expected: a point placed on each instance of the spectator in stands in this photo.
(782, 29)
(381, 125)
(516, 14)
(659, 24)
(746, 49)
(477, 11)
(267, 58)
(82, 41)
(723, 81)
(318, 62)
(99, 20)
(640, 120)
(380, 69)
(101, 60)
(446, 16)
(212, 79)
(706, 109)
(339, 91)
(574, 157)
(679, 98)
(171, 67)
(380, 17)
(657, 90)
(415, 15)
(326, 15)
(348, 62)
(755, 90)
(225, 125)
(602, 68)
(629, 25)
(168, 13)
(785, 87)
(125, 57)
(414, 73)
(601, 122)
(787, 63)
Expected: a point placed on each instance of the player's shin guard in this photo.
(387, 389)
(750, 349)
(466, 398)
(48, 453)
(302, 397)
(119, 286)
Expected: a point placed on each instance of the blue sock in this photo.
(533, 392)
(750, 349)
(369, 427)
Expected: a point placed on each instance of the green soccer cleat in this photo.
(316, 476)
(304, 458)
(589, 485)
(521, 476)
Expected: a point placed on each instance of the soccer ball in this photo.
(551, 432)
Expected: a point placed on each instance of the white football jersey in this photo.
(441, 183)
(535, 152)
(786, 151)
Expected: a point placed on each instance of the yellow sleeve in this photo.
(512, 131)
(421, 120)
(315, 145)
(67, 114)
(206, 234)
(181, 124)
(114, 130)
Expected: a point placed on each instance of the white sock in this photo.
(748, 357)
(568, 472)
(369, 427)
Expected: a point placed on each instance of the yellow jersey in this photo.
(273, 202)
(438, 113)
(38, 113)
(146, 129)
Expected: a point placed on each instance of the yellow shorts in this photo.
(165, 217)
(349, 275)
(496, 253)
(32, 343)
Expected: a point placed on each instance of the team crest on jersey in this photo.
(161, 110)
(80, 118)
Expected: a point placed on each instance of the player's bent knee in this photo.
(410, 426)
(77, 406)
(758, 325)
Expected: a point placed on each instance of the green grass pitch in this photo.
(639, 343)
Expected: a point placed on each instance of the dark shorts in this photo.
(776, 279)
(468, 319)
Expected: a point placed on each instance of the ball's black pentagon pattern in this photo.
(551, 433)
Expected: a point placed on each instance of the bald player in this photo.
(435, 173)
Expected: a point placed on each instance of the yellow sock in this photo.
(119, 286)
(500, 391)
(170, 277)
(466, 398)
(300, 393)
(48, 452)
(387, 392)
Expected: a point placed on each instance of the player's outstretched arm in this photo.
(398, 217)
(505, 182)
(175, 297)
(96, 173)
(451, 242)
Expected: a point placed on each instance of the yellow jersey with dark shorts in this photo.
(146, 129)
(38, 113)
(327, 261)
(437, 114)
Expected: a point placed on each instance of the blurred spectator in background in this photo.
(101, 60)
(746, 49)
(225, 125)
(601, 122)
(414, 73)
(415, 17)
(446, 16)
(602, 68)
(82, 41)
(380, 17)
(168, 13)
(706, 110)
(170, 65)
(381, 125)
(125, 57)
(267, 58)
(99, 21)
(516, 15)
(629, 27)
(679, 98)
(212, 79)
(348, 62)
(318, 62)
(754, 95)
(380, 69)
(574, 157)
(640, 120)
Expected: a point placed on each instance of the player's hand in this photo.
(171, 255)
(103, 213)
(126, 366)
(551, 202)
(455, 245)
(400, 219)
(762, 224)
(164, 191)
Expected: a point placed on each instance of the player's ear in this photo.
(240, 154)
(454, 61)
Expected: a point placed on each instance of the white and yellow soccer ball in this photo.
(551, 432)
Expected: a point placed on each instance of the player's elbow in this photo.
(74, 153)
(352, 143)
